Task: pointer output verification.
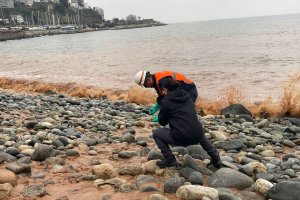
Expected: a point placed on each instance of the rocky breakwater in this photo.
(57, 147)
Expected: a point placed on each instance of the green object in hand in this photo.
(155, 118)
(153, 109)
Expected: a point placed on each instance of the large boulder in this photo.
(286, 190)
(235, 109)
(229, 178)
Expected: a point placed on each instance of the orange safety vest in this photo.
(175, 75)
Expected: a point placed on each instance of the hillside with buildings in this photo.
(49, 12)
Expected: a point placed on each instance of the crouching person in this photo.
(178, 110)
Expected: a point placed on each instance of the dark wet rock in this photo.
(186, 172)
(42, 152)
(127, 154)
(294, 121)
(197, 150)
(34, 191)
(12, 151)
(154, 155)
(64, 140)
(189, 162)
(130, 170)
(72, 152)
(246, 117)
(235, 109)
(18, 168)
(286, 190)
(24, 160)
(142, 143)
(254, 156)
(32, 142)
(196, 178)
(287, 156)
(247, 169)
(229, 178)
(180, 150)
(7, 157)
(172, 184)
(231, 145)
(57, 143)
(265, 176)
(89, 177)
(90, 142)
(31, 125)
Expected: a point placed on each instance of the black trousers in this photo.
(163, 139)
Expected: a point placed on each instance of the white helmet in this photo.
(140, 77)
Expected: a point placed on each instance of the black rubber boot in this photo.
(216, 160)
(168, 161)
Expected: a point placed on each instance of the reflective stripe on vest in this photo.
(175, 75)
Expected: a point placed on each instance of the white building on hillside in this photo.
(6, 4)
(18, 18)
(26, 2)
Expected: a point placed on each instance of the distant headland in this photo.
(24, 19)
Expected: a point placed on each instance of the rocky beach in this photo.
(53, 146)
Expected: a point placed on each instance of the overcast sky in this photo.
(171, 11)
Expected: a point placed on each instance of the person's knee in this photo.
(155, 133)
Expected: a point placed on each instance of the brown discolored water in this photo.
(255, 56)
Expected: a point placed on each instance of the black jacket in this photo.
(161, 85)
(178, 110)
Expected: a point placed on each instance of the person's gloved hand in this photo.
(153, 109)
(155, 118)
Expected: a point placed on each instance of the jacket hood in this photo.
(179, 96)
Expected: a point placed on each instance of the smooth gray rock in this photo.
(42, 152)
(286, 190)
(229, 178)
(197, 150)
(172, 184)
(230, 145)
(154, 155)
(18, 168)
(7, 157)
(196, 178)
(72, 152)
(235, 109)
(127, 154)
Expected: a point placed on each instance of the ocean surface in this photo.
(256, 55)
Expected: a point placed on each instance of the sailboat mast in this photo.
(2, 17)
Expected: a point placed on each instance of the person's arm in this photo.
(163, 116)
